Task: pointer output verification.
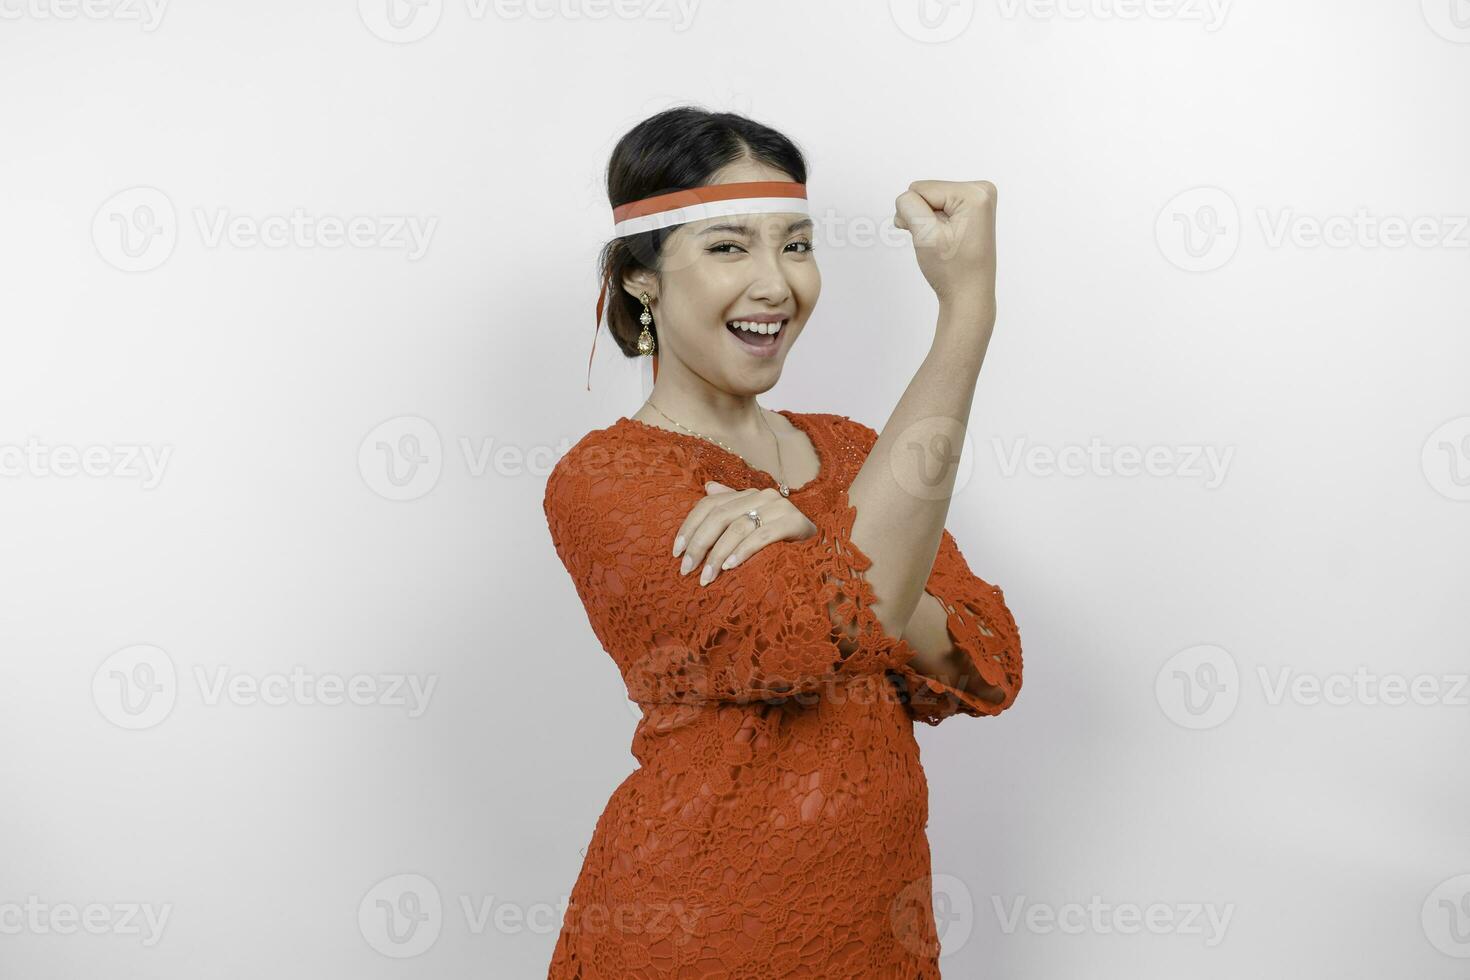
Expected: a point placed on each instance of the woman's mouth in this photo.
(757, 339)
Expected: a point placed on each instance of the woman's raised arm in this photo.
(902, 491)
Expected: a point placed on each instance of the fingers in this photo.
(917, 209)
(938, 195)
(740, 540)
(722, 527)
(913, 214)
(743, 539)
(698, 514)
(706, 521)
(949, 196)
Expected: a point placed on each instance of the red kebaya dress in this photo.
(776, 824)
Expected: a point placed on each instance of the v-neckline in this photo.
(823, 465)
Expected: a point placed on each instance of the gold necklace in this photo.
(780, 468)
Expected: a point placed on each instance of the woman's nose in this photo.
(770, 281)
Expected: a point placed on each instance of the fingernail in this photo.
(686, 565)
(706, 576)
(678, 545)
(729, 562)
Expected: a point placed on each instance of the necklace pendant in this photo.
(785, 490)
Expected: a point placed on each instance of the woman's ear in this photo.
(640, 282)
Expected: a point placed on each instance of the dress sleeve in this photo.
(979, 622)
(759, 631)
(981, 625)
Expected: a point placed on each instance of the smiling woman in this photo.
(687, 256)
(776, 824)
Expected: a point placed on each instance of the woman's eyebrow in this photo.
(735, 229)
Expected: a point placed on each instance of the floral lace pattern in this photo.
(775, 825)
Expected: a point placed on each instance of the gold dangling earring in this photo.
(646, 345)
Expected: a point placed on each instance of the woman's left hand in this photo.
(718, 533)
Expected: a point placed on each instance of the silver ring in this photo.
(754, 516)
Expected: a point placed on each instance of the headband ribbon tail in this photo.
(596, 326)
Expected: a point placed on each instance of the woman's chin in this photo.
(753, 379)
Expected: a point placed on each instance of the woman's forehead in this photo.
(779, 222)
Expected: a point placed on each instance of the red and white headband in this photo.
(697, 204)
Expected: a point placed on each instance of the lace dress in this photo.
(776, 824)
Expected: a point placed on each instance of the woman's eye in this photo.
(722, 246)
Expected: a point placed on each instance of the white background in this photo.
(1331, 377)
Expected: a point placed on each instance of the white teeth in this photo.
(754, 327)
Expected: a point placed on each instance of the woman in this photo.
(776, 825)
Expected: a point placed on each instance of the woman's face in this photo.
(735, 268)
